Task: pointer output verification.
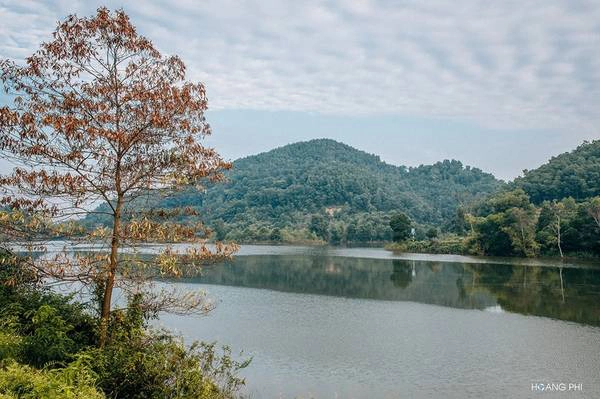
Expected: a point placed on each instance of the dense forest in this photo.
(574, 174)
(553, 210)
(323, 190)
(49, 349)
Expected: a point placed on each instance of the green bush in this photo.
(49, 341)
(158, 365)
(141, 363)
(450, 244)
(48, 349)
(10, 340)
(50, 328)
(76, 381)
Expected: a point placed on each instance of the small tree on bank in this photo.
(401, 226)
(99, 115)
(594, 210)
(558, 215)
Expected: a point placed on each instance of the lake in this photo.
(366, 323)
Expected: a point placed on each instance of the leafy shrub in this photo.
(48, 350)
(450, 244)
(141, 363)
(49, 341)
(50, 328)
(76, 381)
(10, 341)
(158, 365)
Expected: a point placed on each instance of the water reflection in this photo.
(561, 293)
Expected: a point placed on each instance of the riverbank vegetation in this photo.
(509, 224)
(322, 191)
(99, 115)
(49, 348)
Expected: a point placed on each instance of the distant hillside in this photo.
(325, 190)
(572, 174)
(287, 192)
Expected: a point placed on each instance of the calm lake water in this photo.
(365, 323)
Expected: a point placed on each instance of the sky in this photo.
(499, 85)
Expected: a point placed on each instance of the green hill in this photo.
(573, 174)
(323, 189)
(552, 210)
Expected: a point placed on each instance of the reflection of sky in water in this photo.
(360, 252)
(372, 324)
(306, 345)
(494, 309)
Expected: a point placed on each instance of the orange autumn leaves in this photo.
(100, 115)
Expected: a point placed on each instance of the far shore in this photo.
(355, 250)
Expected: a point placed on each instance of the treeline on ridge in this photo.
(325, 191)
(290, 193)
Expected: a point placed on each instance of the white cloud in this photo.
(504, 64)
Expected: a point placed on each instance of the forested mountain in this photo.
(315, 175)
(552, 210)
(573, 174)
(328, 191)
(323, 189)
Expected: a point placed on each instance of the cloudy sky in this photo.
(501, 85)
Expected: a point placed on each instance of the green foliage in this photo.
(48, 349)
(49, 340)
(573, 174)
(520, 224)
(10, 340)
(508, 224)
(141, 363)
(322, 190)
(401, 226)
(432, 233)
(76, 381)
(458, 224)
(51, 328)
(328, 191)
(155, 365)
(276, 235)
(320, 226)
(447, 244)
(492, 239)
(45, 328)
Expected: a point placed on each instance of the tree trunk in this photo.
(558, 238)
(110, 279)
(524, 240)
(562, 285)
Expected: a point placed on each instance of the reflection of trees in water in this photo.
(347, 277)
(402, 274)
(562, 293)
(521, 289)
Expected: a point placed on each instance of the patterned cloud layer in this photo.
(503, 64)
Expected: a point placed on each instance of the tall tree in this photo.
(99, 115)
(320, 226)
(559, 212)
(401, 226)
(594, 210)
(520, 226)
